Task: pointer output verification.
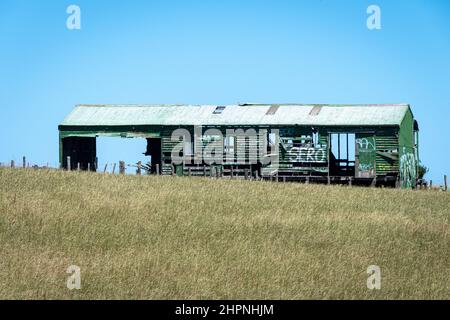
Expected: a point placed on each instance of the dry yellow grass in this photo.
(196, 238)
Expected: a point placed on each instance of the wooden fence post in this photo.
(350, 181)
(68, 163)
(157, 169)
(24, 162)
(204, 171)
(431, 185)
(89, 167)
(78, 166)
(114, 168)
(121, 167)
(307, 180)
(138, 170)
(106, 167)
(284, 178)
(245, 173)
(13, 164)
(231, 172)
(96, 164)
(256, 174)
(189, 171)
(445, 183)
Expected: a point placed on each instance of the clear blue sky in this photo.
(219, 52)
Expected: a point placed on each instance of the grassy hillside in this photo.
(194, 238)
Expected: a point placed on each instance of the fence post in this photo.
(89, 166)
(350, 181)
(231, 172)
(189, 171)
(122, 167)
(256, 174)
(78, 166)
(96, 164)
(106, 167)
(157, 169)
(114, 168)
(284, 178)
(307, 180)
(204, 171)
(139, 166)
(245, 173)
(13, 164)
(68, 163)
(445, 183)
(24, 162)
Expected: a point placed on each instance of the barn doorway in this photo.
(155, 153)
(111, 150)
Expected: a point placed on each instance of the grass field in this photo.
(195, 238)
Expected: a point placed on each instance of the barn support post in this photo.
(374, 182)
(68, 163)
(139, 168)
(122, 167)
(445, 183)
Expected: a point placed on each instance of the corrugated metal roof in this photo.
(244, 114)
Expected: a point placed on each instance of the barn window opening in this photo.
(342, 153)
(219, 110)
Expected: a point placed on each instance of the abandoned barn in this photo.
(360, 144)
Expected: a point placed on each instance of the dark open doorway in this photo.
(81, 150)
(154, 151)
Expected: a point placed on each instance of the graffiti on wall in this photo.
(365, 156)
(408, 170)
(365, 144)
(307, 154)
